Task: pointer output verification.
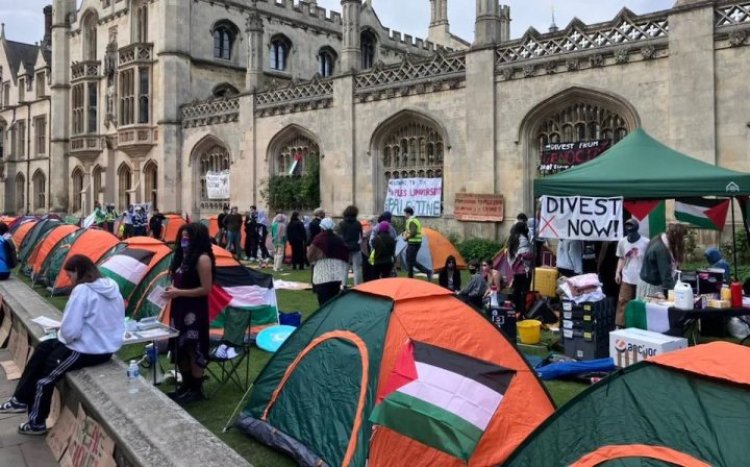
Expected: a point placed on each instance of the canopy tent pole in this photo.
(734, 242)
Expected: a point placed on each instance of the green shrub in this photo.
(478, 249)
(297, 192)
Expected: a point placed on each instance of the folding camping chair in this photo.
(236, 336)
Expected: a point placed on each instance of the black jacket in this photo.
(443, 279)
(385, 248)
(351, 232)
(295, 232)
(155, 223)
(314, 229)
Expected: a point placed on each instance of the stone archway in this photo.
(292, 144)
(124, 185)
(151, 183)
(209, 155)
(572, 116)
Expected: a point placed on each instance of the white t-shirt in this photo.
(632, 254)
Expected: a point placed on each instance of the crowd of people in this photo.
(134, 222)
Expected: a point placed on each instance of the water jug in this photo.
(683, 294)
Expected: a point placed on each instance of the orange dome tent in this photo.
(434, 252)
(409, 389)
(45, 247)
(172, 224)
(93, 243)
(22, 231)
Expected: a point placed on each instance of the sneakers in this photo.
(190, 396)
(13, 406)
(27, 428)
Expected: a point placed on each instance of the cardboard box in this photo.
(632, 345)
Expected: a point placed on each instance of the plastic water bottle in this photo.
(133, 374)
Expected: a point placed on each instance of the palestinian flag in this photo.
(651, 216)
(710, 214)
(127, 268)
(237, 288)
(441, 398)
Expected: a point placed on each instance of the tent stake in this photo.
(236, 409)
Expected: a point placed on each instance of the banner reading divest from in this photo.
(581, 218)
(424, 195)
(217, 185)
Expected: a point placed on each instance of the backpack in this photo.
(11, 258)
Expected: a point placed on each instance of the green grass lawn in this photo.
(214, 412)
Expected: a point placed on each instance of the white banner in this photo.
(217, 185)
(580, 218)
(424, 195)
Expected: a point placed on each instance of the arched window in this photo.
(214, 158)
(293, 156)
(97, 181)
(150, 174)
(409, 147)
(20, 193)
(224, 90)
(124, 185)
(368, 44)
(326, 60)
(581, 122)
(88, 32)
(224, 34)
(40, 189)
(77, 179)
(280, 47)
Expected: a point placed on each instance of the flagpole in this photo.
(734, 241)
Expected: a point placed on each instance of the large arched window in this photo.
(97, 181)
(224, 90)
(20, 193)
(88, 34)
(409, 146)
(224, 33)
(214, 158)
(77, 179)
(293, 156)
(582, 121)
(368, 44)
(326, 61)
(40, 189)
(280, 47)
(124, 185)
(150, 175)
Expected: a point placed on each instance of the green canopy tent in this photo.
(641, 167)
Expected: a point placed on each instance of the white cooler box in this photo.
(629, 346)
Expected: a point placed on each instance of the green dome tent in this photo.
(689, 408)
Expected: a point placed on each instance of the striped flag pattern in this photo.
(441, 398)
(651, 216)
(710, 214)
(239, 288)
(127, 268)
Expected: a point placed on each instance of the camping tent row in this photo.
(139, 265)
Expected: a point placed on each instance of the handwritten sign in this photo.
(479, 208)
(217, 185)
(581, 218)
(557, 157)
(424, 195)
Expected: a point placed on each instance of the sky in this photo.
(24, 22)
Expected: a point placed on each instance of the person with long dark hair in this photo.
(450, 277)
(663, 255)
(192, 272)
(520, 257)
(295, 233)
(384, 248)
(91, 331)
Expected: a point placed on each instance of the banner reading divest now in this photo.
(581, 218)
(424, 195)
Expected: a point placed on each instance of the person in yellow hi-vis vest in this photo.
(413, 237)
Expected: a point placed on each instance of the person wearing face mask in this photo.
(192, 272)
(630, 252)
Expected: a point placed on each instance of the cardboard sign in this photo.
(581, 218)
(59, 437)
(89, 446)
(479, 208)
(5, 328)
(424, 195)
(557, 157)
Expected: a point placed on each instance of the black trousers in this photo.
(521, 285)
(298, 254)
(263, 248)
(251, 246)
(382, 271)
(327, 291)
(411, 259)
(50, 361)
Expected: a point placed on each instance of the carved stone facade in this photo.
(475, 115)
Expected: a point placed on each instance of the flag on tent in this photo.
(651, 216)
(127, 268)
(441, 398)
(710, 214)
(240, 289)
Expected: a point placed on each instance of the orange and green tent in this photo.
(45, 246)
(93, 243)
(433, 253)
(396, 372)
(32, 241)
(172, 224)
(690, 408)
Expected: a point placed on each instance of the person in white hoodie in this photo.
(91, 331)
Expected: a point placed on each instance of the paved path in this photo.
(19, 450)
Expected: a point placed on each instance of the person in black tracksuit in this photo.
(251, 234)
(297, 237)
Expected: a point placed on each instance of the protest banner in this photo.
(557, 157)
(424, 195)
(478, 208)
(581, 218)
(217, 184)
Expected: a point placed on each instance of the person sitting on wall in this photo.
(91, 331)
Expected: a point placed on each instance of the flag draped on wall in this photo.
(651, 215)
(710, 214)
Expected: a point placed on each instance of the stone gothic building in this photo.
(144, 97)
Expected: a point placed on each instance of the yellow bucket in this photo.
(530, 331)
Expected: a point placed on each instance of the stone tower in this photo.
(350, 52)
(492, 23)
